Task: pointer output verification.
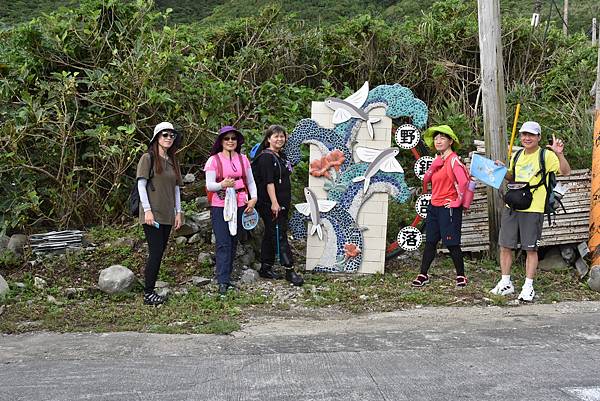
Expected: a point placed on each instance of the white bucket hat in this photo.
(164, 126)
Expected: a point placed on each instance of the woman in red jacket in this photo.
(444, 214)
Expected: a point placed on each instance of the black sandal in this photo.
(152, 298)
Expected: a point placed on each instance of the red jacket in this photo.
(444, 188)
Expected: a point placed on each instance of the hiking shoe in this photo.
(527, 294)
(224, 287)
(503, 288)
(421, 280)
(266, 271)
(293, 277)
(152, 298)
(461, 281)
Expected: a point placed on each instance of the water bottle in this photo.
(469, 193)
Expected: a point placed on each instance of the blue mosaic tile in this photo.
(398, 102)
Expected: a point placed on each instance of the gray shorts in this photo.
(520, 228)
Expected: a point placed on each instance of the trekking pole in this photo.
(277, 242)
(514, 130)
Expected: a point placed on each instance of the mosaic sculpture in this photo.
(349, 184)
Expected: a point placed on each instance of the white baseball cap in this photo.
(532, 127)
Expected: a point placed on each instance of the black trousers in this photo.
(273, 227)
(157, 239)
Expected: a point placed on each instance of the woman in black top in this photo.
(272, 172)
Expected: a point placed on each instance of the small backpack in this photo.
(469, 191)
(134, 196)
(548, 180)
(219, 178)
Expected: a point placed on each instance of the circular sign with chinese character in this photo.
(422, 204)
(422, 165)
(407, 136)
(409, 238)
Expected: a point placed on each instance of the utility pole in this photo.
(594, 31)
(494, 106)
(566, 17)
(594, 242)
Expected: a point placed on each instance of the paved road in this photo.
(533, 352)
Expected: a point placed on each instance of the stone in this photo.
(568, 253)
(552, 261)
(248, 258)
(163, 292)
(4, 242)
(187, 229)
(202, 202)
(71, 292)
(205, 258)
(249, 276)
(181, 291)
(20, 286)
(39, 283)
(200, 281)
(195, 238)
(161, 284)
(53, 300)
(582, 267)
(128, 242)
(17, 243)
(189, 178)
(115, 279)
(594, 279)
(3, 287)
(181, 240)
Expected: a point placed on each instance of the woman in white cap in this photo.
(159, 178)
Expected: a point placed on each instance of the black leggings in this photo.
(455, 253)
(157, 239)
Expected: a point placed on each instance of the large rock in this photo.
(116, 279)
(16, 243)
(594, 279)
(187, 229)
(553, 260)
(3, 287)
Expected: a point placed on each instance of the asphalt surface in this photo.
(528, 352)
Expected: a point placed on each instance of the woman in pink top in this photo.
(228, 168)
(444, 214)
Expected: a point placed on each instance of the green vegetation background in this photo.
(82, 86)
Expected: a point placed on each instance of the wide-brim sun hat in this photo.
(166, 126)
(218, 145)
(430, 132)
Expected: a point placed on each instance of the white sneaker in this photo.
(527, 294)
(502, 288)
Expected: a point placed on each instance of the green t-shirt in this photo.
(526, 170)
(162, 199)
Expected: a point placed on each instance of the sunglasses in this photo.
(171, 135)
(230, 138)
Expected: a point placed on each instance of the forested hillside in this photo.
(316, 12)
(81, 89)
